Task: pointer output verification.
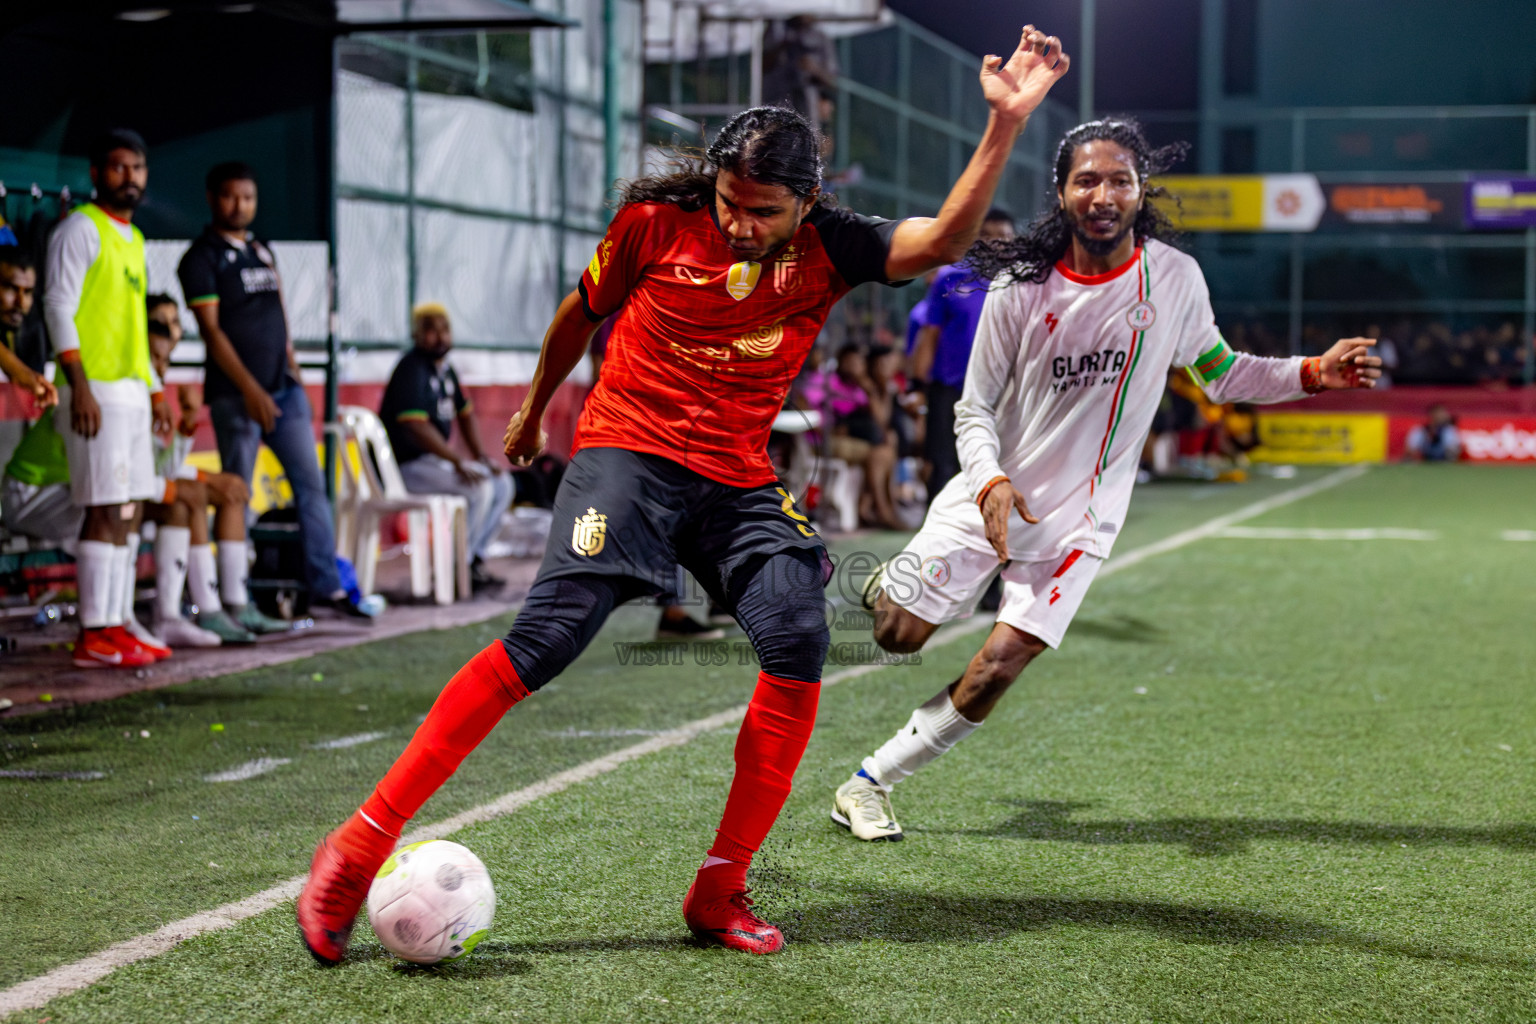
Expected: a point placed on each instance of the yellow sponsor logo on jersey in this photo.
(742, 279)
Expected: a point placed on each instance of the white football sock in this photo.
(201, 581)
(234, 565)
(94, 575)
(171, 546)
(129, 578)
(933, 729)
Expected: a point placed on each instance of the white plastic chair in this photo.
(844, 483)
(437, 535)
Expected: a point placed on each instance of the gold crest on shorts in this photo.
(590, 534)
(741, 279)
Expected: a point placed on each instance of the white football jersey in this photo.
(1064, 379)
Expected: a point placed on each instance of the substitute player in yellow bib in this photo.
(94, 308)
(1088, 310)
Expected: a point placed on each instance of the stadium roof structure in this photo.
(340, 17)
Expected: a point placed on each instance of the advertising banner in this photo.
(1501, 203)
(1330, 438)
(1498, 438)
(1437, 204)
(1244, 202)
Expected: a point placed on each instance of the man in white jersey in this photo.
(94, 309)
(1089, 310)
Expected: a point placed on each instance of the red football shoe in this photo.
(94, 649)
(328, 906)
(136, 653)
(717, 909)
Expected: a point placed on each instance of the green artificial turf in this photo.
(1269, 780)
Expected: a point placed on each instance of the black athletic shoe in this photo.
(340, 607)
(481, 578)
(687, 628)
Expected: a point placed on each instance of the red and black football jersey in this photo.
(704, 345)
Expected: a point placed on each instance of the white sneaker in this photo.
(142, 633)
(864, 809)
(178, 632)
(870, 596)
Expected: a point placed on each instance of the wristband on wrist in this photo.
(1312, 375)
(982, 497)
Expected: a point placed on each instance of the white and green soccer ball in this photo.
(431, 902)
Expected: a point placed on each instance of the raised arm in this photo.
(1228, 376)
(564, 345)
(1013, 91)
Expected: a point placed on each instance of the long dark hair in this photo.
(772, 145)
(1031, 255)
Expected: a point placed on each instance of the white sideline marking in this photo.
(586, 734)
(34, 993)
(249, 770)
(1308, 533)
(13, 773)
(1519, 535)
(349, 741)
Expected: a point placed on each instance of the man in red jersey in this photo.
(721, 277)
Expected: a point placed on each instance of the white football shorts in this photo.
(940, 579)
(118, 464)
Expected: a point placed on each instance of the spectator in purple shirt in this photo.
(943, 350)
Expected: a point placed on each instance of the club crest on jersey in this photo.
(741, 279)
(1141, 316)
(590, 534)
(786, 277)
(935, 571)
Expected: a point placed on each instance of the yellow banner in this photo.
(1211, 203)
(1330, 438)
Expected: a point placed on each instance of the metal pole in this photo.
(1212, 59)
(332, 346)
(412, 70)
(1085, 55)
(612, 69)
(755, 86)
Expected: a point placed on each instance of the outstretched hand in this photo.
(998, 505)
(1349, 364)
(1013, 90)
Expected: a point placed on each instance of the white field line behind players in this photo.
(34, 993)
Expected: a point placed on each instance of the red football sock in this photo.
(768, 749)
(468, 708)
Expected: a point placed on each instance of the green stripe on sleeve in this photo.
(412, 414)
(1213, 363)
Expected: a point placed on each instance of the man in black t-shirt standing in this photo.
(421, 403)
(252, 381)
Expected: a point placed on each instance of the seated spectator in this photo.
(861, 414)
(1437, 439)
(18, 285)
(182, 550)
(421, 403)
(34, 493)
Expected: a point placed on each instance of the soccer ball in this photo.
(431, 902)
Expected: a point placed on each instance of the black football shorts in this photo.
(638, 516)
